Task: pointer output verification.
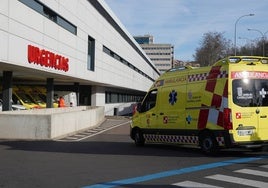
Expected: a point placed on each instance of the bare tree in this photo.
(212, 47)
(255, 48)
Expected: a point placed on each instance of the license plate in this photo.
(244, 132)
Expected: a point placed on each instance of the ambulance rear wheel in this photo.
(138, 138)
(208, 143)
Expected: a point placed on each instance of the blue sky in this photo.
(184, 22)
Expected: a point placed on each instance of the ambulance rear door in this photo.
(250, 110)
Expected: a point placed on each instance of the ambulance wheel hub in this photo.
(208, 143)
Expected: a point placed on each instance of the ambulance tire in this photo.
(138, 138)
(208, 143)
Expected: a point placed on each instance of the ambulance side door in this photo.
(171, 114)
(148, 110)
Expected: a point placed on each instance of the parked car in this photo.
(14, 106)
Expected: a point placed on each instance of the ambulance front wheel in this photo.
(208, 143)
(138, 138)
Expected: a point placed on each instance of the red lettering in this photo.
(66, 65)
(33, 54)
(57, 62)
(42, 57)
(50, 59)
(36, 56)
(248, 74)
(61, 63)
(47, 58)
(30, 54)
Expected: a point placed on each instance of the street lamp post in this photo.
(263, 39)
(235, 29)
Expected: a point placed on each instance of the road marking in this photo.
(174, 172)
(253, 172)
(186, 184)
(241, 181)
(99, 132)
(264, 166)
(89, 133)
(192, 184)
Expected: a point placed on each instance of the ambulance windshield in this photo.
(250, 92)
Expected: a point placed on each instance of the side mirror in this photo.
(138, 108)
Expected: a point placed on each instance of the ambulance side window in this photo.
(149, 102)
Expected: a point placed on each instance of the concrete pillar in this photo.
(7, 91)
(50, 92)
(97, 96)
(77, 91)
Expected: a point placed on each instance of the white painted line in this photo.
(241, 181)
(253, 172)
(264, 166)
(70, 138)
(102, 131)
(192, 184)
(92, 133)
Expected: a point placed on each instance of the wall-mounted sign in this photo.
(46, 58)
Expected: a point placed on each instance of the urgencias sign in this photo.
(48, 59)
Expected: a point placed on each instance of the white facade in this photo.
(21, 25)
(161, 55)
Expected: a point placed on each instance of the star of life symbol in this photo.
(190, 95)
(263, 93)
(172, 97)
(188, 119)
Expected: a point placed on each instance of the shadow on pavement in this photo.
(119, 148)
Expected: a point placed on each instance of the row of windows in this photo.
(160, 59)
(157, 53)
(142, 40)
(50, 14)
(157, 48)
(111, 97)
(117, 57)
(163, 64)
(98, 6)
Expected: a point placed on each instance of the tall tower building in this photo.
(161, 55)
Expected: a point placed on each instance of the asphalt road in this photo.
(107, 157)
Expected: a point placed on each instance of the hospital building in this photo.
(68, 47)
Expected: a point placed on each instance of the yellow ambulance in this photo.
(41, 92)
(220, 106)
(20, 97)
(34, 95)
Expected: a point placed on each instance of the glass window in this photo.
(117, 57)
(34, 5)
(122, 60)
(149, 101)
(106, 50)
(114, 98)
(108, 97)
(91, 54)
(50, 14)
(66, 25)
(250, 92)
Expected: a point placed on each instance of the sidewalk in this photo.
(109, 123)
